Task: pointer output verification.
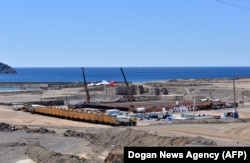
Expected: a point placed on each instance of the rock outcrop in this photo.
(6, 69)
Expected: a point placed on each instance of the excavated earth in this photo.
(44, 145)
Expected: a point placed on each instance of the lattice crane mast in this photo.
(86, 87)
(130, 93)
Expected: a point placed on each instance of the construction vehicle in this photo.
(86, 87)
(130, 93)
(123, 120)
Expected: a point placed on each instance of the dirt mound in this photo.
(115, 139)
(40, 130)
(115, 156)
(121, 137)
(73, 133)
(131, 137)
(42, 155)
(7, 128)
(12, 144)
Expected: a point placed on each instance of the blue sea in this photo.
(132, 74)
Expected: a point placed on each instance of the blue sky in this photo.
(127, 33)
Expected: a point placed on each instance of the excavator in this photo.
(130, 93)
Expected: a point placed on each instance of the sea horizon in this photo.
(132, 74)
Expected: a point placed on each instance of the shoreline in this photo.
(70, 82)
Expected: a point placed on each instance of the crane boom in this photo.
(128, 87)
(86, 87)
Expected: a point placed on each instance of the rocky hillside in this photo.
(6, 69)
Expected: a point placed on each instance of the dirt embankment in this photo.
(110, 140)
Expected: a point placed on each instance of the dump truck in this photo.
(126, 120)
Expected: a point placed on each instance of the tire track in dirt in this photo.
(224, 132)
(240, 133)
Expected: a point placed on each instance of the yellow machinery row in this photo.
(83, 115)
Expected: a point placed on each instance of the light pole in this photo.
(194, 94)
(41, 97)
(234, 95)
(194, 100)
(243, 94)
(243, 98)
(188, 95)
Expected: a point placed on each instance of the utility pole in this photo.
(234, 94)
(41, 99)
(86, 87)
(235, 113)
(194, 92)
(243, 98)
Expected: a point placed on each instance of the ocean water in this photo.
(132, 74)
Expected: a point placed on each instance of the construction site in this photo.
(92, 122)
